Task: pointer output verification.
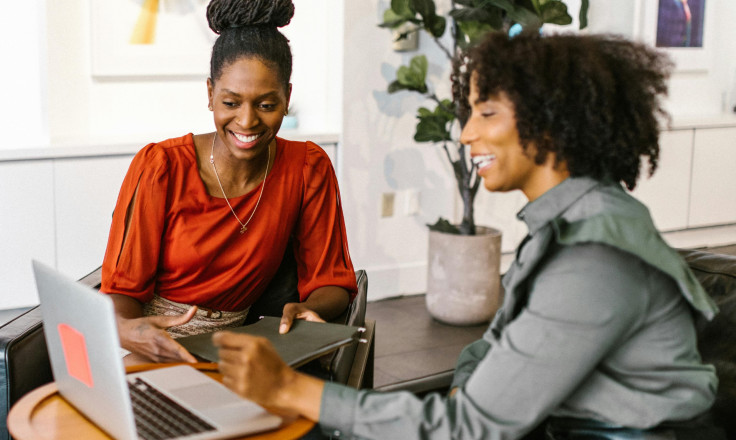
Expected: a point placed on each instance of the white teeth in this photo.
(484, 160)
(242, 138)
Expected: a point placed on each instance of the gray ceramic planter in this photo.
(463, 276)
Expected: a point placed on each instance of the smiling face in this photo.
(248, 103)
(496, 150)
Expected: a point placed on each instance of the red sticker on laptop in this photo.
(75, 354)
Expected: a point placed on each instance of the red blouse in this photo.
(185, 245)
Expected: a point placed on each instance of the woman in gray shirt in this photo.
(595, 338)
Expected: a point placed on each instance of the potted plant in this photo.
(467, 21)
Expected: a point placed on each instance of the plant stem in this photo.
(442, 46)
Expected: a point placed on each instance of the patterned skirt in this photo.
(204, 321)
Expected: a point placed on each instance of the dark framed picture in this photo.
(680, 23)
(682, 28)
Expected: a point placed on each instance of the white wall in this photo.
(23, 76)
(85, 108)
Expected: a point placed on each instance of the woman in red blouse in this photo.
(205, 219)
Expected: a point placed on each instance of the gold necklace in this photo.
(243, 226)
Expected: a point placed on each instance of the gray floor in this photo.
(410, 344)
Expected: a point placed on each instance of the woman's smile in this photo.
(483, 161)
(244, 141)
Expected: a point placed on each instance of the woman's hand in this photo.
(294, 311)
(147, 337)
(251, 368)
(324, 303)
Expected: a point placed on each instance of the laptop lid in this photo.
(82, 340)
(83, 344)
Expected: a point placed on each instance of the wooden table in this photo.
(44, 414)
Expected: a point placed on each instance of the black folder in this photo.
(304, 342)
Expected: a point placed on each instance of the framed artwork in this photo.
(682, 28)
(150, 38)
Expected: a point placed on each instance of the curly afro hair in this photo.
(592, 100)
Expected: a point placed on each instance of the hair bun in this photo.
(224, 14)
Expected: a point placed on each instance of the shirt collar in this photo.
(554, 202)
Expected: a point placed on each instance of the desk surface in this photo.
(44, 414)
(410, 345)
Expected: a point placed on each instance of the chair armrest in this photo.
(361, 372)
(342, 361)
(24, 361)
(439, 382)
(93, 279)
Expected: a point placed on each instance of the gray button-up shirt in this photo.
(596, 323)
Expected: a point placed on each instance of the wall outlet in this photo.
(387, 204)
(411, 202)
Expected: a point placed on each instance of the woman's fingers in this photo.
(148, 337)
(249, 365)
(296, 311)
(286, 321)
(309, 316)
(166, 321)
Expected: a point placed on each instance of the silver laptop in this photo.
(83, 345)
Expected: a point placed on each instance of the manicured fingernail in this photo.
(283, 328)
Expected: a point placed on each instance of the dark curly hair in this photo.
(248, 28)
(592, 100)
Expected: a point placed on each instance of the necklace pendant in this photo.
(243, 229)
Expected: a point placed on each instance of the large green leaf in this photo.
(474, 31)
(434, 126)
(425, 8)
(527, 18)
(583, 16)
(433, 23)
(506, 5)
(413, 76)
(402, 8)
(399, 13)
(436, 26)
(446, 108)
(555, 12)
(396, 86)
(443, 225)
(391, 19)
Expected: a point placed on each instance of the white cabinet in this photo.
(667, 192)
(26, 228)
(57, 211)
(713, 191)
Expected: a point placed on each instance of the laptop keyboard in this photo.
(157, 417)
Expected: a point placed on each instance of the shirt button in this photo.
(336, 433)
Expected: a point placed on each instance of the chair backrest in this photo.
(281, 290)
(717, 338)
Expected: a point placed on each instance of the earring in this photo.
(210, 107)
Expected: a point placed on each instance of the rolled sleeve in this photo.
(337, 411)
